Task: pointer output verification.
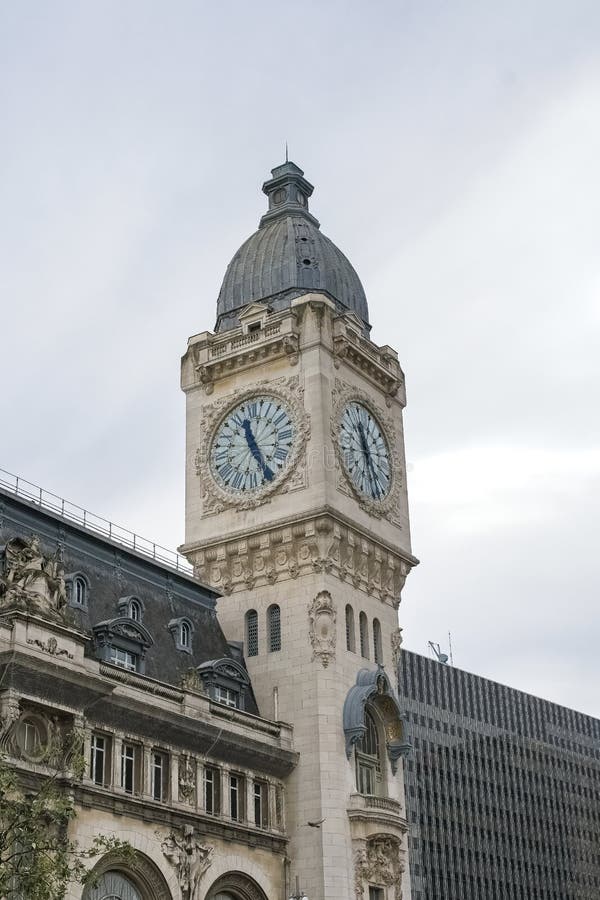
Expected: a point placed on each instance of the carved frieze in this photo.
(322, 627)
(215, 498)
(187, 779)
(32, 580)
(321, 544)
(190, 858)
(381, 863)
(396, 641)
(388, 506)
(50, 646)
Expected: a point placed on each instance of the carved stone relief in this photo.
(396, 641)
(31, 580)
(318, 545)
(187, 779)
(379, 864)
(322, 627)
(50, 646)
(216, 498)
(389, 506)
(190, 858)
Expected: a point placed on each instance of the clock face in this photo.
(364, 451)
(252, 445)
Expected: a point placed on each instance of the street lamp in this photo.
(299, 895)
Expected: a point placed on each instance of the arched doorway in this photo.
(117, 878)
(114, 886)
(235, 886)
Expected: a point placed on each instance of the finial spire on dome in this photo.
(288, 192)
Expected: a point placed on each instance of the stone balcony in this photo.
(371, 815)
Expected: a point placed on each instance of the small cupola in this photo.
(288, 192)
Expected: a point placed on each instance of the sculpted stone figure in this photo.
(190, 859)
(31, 580)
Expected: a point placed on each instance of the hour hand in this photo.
(254, 450)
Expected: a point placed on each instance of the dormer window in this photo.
(122, 642)
(131, 608)
(135, 610)
(182, 631)
(78, 589)
(226, 681)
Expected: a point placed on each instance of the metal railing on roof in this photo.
(20, 487)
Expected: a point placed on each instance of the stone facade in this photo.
(312, 545)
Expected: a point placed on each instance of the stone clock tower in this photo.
(296, 510)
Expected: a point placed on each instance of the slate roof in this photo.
(288, 256)
(114, 572)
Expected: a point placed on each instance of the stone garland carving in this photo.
(322, 627)
(187, 779)
(216, 498)
(190, 858)
(31, 580)
(379, 863)
(50, 646)
(319, 545)
(396, 641)
(389, 506)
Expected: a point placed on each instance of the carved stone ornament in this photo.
(389, 505)
(215, 497)
(187, 779)
(396, 641)
(379, 864)
(322, 627)
(320, 544)
(31, 580)
(190, 858)
(190, 681)
(50, 646)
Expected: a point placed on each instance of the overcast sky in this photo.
(454, 147)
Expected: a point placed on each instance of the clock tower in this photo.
(296, 510)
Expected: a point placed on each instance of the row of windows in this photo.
(273, 630)
(217, 786)
(363, 635)
(130, 607)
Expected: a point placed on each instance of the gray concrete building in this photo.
(502, 790)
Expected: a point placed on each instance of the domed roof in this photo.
(288, 256)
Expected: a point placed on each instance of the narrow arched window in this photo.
(252, 632)
(377, 650)
(368, 759)
(185, 635)
(135, 610)
(79, 591)
(350, 634)
(274, 627)
(364, 635)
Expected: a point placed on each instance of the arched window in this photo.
(113, 886)
(364, 635)
(350, 634)
(135, 610)
(274, 627)
(79, 591)
(377, 650)
(252, 632)
(368, 759)
(185, 635)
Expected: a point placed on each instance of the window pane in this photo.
(274, 626)
(252, 632)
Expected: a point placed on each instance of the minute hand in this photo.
(253, 447)
(370, 466)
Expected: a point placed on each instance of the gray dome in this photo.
(287, 257)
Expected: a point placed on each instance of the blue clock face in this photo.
(364, 452)
(252, 445)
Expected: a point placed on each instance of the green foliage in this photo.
(37, 859)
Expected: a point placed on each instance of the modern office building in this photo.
(502, 790)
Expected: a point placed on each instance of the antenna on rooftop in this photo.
(450, 649)
(441, 657)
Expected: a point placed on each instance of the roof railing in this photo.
(20, 487)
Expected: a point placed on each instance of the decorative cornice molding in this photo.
(216, 498)
(316, 544)
(379, 364)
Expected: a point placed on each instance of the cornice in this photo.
(321, 542)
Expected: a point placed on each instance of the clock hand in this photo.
(253, 447)
(365, 449)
